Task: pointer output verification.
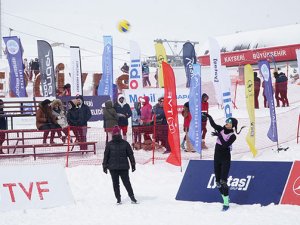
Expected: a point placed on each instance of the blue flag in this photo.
(106, 82)
(14, 56)
(264, 68)
(195, 108)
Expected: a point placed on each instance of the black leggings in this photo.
(124, 174)
(222, 168)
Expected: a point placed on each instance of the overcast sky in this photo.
(178, 20)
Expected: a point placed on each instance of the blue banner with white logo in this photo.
(249, 182)
(264, 68)
(106, 82)
(14, 52)
(189, 58)
(195, 107)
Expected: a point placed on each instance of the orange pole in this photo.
(153, 139)
(68, 149)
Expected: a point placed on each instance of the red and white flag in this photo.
(171, 113)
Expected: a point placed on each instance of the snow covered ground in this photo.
(155, 187)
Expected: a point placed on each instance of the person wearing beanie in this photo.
(222, 157)
(116, 155)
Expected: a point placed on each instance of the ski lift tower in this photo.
(175, 59)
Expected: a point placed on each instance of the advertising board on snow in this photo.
(41, 186)
(249, 183)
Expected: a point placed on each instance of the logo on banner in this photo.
(12, 47)
(134, 73)
(296, 186)
(238, 184)
(265, 72)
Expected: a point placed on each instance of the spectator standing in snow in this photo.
(186, 124)
(257, 84)
(145, 73)
(204, 108)
(116, 155)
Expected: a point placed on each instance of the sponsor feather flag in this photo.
(215, 67)
(249, 93)
(14, 53)
(195, 108)
(135, 71)
(298, 59)
(264, 68)
(47, 71)
(170, 109)
(189, 58)
(76, 86)
(106, 82)
(160, 57)
(225, 84)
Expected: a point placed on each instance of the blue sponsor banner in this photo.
(189, 58)
(249, 182)
(195, 108)
(264, 68)
(106, 82)
(14, 52)
(94, 102)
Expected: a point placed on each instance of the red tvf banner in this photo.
(171, 113)
(41, 186)
(238, 58)
(291, 193)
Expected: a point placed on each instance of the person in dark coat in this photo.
(73, 118)
(257, 84)
(222, 157)
(85, 115)
(3, 125)
(124, 112)
(161, 126)
(116, 155)
(110, 118)
(281, 82)
(125, 68)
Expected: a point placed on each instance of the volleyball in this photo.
(123, 26)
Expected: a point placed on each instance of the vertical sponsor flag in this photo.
(298, 59)
(135, 71)
(249, 93)
(47, 72)
(195, 108)
(14, 52)
(76, 85)
(215, 67)
(170, 109)
(189, 58)
(160, 57)
(106, 82)
(225, 84)
(264, 68)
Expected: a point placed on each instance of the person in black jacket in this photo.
(115, 160)
(124, 112)
(84, 114)
(222, 156)
(3, 125)
(73, 118)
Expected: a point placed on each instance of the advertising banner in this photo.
(264, 68)
(171, 113)
(249, 93)
(76, 83)
(39, 186)
(195, 107)
(106, 82)
(135, 71)
(14, 52)
(47, 72)
(94, 102)
(249, 182)
(161, 56)
(189, 59)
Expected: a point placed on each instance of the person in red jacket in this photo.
(204, 108)
(186, 124)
